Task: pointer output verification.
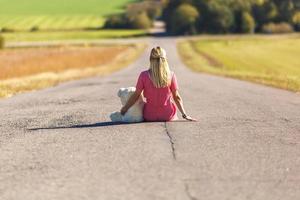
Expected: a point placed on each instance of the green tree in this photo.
(285, 8)
(119, 21)
(223, 16)
(247, 23)
(153, 12)
(264, 12)
(184, 19)
(241, 5)
(219, 18)
(296, 20)
(140, 21)
(169, 9)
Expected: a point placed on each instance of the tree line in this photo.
(231, 16)
(137, 15)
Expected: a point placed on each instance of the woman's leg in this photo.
(174, 118)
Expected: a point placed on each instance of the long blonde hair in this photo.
(159, 67)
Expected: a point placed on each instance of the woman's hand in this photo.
(123, 110)
(189, 118)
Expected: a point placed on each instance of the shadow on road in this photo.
(99, 124)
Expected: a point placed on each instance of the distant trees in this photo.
(247, 23)
(138, 20)
(231, 16)
(264, 13)
(296, 20)
(117, 22)
(184, 19)
(138, 15)
(212, 16)
(220, 17)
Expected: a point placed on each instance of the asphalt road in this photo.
(57, 143)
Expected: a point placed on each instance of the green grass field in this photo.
(57, 14)
(269, 60)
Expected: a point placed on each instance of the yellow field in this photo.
(30, 69)
(269, 60)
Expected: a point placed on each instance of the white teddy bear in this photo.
(135, 112)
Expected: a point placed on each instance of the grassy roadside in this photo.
(71, 35)
(272, 61)
(11, 86)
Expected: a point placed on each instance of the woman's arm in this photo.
(134, 97)
(179, 103)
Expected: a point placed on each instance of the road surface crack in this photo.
(187, 191)
(171, 141)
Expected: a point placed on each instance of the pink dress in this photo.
(158, 106)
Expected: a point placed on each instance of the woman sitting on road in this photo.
(158, 85)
